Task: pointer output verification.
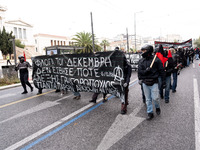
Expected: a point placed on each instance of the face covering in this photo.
(145, 54)
(21, 60)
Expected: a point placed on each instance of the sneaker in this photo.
(93, 101)
(57, 90)
(75, 97)
(24, 92)
(158, 111)
(161, 96)
(78, 97)
(31, 89)
(105, 100)
(123, 112)
(173, 91)
(39, 93)
(150, 116)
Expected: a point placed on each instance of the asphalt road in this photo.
(52, 121)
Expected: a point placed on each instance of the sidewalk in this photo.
(12, 85)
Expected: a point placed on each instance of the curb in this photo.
(11, 86)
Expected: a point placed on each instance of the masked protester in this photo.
(22, 66)
(148, 72)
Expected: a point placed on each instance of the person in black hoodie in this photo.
(127, 76)
(22, 66)
(148, 72)
(169, 64)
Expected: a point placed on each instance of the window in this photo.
(51, 42)
(54, 42)
(58, 42)
(15, 32)
(61, 42)
(24, 33)
(35, 41)
(64, 42)
(20, 33)
(36, 49)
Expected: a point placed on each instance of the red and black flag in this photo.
(160, 54)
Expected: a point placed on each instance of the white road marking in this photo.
(123, 125)
(50, 127)
(7, 95)
(196, 114)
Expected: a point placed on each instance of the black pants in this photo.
(8, 61)
(95, 95)
(24, 80)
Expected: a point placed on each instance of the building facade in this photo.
(46, 40)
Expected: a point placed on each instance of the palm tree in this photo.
(83, 39)
(104, 43)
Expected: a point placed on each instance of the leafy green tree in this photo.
(104, 43)
(5, 43)
(83, 39)
(19, 44)
(197, 42)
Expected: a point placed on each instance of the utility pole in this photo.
(127, 40)
(135, 27)
(92, 33)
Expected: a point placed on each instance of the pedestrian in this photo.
(169, 64)
(149, 69)
(197, 53)
(176, 67)
(8, 59)
(22, 66)
(127, 76)
(95, 95)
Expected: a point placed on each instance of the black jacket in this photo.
(150, 77)
(169, 66)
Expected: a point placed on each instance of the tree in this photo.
(197, 42)
(105, 43)
(83, 39)
(19, 44)
(5, 43)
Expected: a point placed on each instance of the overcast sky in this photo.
(110, 17)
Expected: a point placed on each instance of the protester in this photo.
(8, 59)
(197, 53)
(176, 67)
(191, 54)
(22, 66)
(169, 64)
(149, 75)
(162, 55)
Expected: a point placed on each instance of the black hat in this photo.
(20, 56)
(148, 47)
(116, 48)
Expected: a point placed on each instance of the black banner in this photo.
(133, 59)
(100, 73)
(175, 45)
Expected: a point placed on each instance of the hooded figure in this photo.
(22, 66)
(149, 76)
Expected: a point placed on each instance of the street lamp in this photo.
(135, 26)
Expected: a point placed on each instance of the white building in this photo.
(21, 30)
(46, 40)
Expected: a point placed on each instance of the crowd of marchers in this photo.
(158, 70)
